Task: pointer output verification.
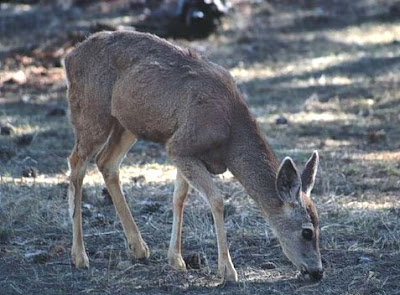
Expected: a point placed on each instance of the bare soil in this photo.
(316, 74)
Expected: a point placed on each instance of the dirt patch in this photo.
(329, 70)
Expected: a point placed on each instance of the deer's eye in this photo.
(307, 234)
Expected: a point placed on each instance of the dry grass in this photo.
(331, 70)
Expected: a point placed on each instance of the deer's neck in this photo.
(253, 163)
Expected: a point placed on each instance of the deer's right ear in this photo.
(309, 173)
(288, 182)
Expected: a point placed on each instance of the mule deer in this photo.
(126, 85)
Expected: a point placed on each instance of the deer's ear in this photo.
(288, 182)
(309, 173)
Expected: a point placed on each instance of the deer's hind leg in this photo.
(82, 153)
(91, 119)
(108, 162)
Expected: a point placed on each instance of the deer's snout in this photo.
(317, 275)
(312, 274)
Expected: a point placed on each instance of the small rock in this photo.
(268, 265)
(376, 136)
(100, 220)
(57, 111)
(26, 98)
(38, 256)
(364, 259)
(364, 112)
(57, 250)
(139, 178)
(7, 129)
(100, 216)
(30, 172)
(281, 121)
(87, 210)
(194, 261)
(99, 255)
(25, 139)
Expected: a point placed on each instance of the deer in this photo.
(123, 86)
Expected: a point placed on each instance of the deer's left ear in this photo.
(288, 182)
(309, 173)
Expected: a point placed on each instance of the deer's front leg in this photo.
(196, 174)
(225, 265)
(180, 194)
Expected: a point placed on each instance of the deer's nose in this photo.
(317, 275)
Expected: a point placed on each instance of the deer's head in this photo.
(296, 222)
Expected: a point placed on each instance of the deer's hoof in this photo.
(176, 261)
(228, 272)
(80, 259)
(140, 251)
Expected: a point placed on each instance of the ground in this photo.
(317, 75)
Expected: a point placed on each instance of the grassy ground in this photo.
(330, 68)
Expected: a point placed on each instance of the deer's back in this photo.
(150, 85)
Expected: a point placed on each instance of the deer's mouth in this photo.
(304, 273)
(314, 275)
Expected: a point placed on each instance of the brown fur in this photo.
(123, 86)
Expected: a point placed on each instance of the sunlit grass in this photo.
(309, 117)
(262, 71)
(371, 205)
(392, 156)
(149, 173)
(367, 34)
